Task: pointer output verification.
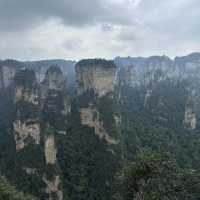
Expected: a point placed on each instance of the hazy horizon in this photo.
(73, 60)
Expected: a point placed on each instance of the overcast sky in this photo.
(76, 29)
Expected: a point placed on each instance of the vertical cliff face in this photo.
(91, 117)
(27, 130)
(151, 80)
(156, 73)
(41, 113)
(190, 119)
(128, 76)
(55, 101)
(55, 108)
(96, 85)
(26, 123)
(97, 75)
(50, 149)
(8, 69)
(7, 75)
(137, 68)
(51, 178)
(53, 188)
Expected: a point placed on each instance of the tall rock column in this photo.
(190, 119)
(55, 108)
(96, 80)
(26, 124)
(99, 120)
(26, 129)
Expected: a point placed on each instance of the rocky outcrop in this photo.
(41, 67)
(54, 79)
(53, 185)
(55, 109)
(180, 68)
(7, 75)
(137, 68)
(24, 131)
(96, 81)
(26, 123)
(91, 117)
(8, 69)
(139, 72)
(97, 75)
(190, 119)
(55, 100)
(50, 149)
(53, 188)
(151, 80)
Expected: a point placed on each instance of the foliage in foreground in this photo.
(8, 192)
(156, 177)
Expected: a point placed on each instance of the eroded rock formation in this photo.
(50, 149)
(97, 75)
(55, 108)
(26, 124)
(190, 119)
(96, 81)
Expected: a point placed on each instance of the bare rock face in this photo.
(151, 80)
(53, 184)
(190, 120)
(54, 79)
(24, 130)
(55, 100)
(55, 109)
(26, 87)
(50, 149)
(26, 123)
(8, 69)
(128, 76)
(7, 74)
(53, 188)
(134, 71)
(99, 75)
(26, 94)
(96, 83)
(90, 117)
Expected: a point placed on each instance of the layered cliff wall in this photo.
(26, 124)
(41, 111)
(27, 130)
(190, 118)
(142, 73)
(96, 81)
(55, 109)
(97, 75)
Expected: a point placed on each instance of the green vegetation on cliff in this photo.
(96, 62)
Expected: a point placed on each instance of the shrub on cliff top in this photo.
(97, 62)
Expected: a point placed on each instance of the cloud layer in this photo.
(36, 29)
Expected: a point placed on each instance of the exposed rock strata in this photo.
(26, 124)
(97, 77)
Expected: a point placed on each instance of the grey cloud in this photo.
(19, 14)
(86, 28)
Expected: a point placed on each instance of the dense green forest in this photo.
(8, 192)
